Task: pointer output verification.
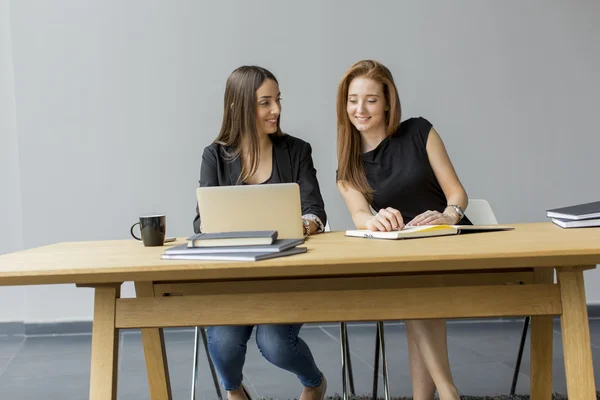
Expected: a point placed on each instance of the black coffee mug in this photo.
(153, 229)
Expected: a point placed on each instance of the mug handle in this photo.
(133, 234)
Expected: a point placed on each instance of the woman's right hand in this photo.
(387, 219)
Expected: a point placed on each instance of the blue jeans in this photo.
(279, 344)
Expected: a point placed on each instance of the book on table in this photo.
(247, 256)
(234, 246)
(413, 232)
(277, 246)
(576, 212)
(238, 238)
(576, 223)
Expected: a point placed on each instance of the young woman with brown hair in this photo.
(252, 149)
(401, 170)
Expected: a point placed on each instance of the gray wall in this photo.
(12, 299)
(115, 101)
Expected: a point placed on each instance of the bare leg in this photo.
(423, 385)
(430, 339)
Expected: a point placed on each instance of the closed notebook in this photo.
(277, 246)
(234, 256)
(241, 238)
(580, 211)
(570, 223)
(411, 232)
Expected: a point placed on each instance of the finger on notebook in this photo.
(382, 219)
(428, 220)
(391, 218)
(378, 225)
(397, 217)
(428, 216)
(417, 220)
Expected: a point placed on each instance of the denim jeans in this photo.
(279, 344)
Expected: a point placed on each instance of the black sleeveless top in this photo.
(398, 170)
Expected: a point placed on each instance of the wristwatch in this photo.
(306, 226)
(459, 211)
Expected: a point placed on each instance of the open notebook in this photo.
(411, 232)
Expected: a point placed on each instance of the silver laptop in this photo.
(252, 208)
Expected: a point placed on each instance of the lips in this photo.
(362, 119)
(271, 121)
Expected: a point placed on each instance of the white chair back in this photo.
(480, 212)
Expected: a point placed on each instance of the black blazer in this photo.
(294, 162)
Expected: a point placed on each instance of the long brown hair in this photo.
(349, 142)
(238, 129)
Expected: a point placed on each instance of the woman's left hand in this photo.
(432, 218)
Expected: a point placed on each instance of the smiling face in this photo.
(366, 105)
(268, 107)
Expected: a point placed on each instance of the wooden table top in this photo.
(329, 254)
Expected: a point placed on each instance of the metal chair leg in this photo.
(519, 356)
(344, 345)
(376, 363)
(349, 363)
(386, 383)
(195, 363)
(197, 332)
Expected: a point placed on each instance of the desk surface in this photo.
(329, 254)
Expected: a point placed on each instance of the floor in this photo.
(482, 356)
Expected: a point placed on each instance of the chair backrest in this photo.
(327, 227)
(480, 212)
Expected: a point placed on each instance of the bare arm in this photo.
(444, 171)
(446, 175)
(385, 220)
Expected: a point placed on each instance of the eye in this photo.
(352, 101)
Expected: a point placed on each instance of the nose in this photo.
(361, 107)
(276, 109)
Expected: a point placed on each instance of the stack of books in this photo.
(234, 246)
(578, 216)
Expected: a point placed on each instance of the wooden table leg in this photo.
(154, 350)
(576, 335)
(105, 344)
(541, 345)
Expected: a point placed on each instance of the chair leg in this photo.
(344, 353)
(213, 372)
(349, 363)
(519, 356)
(195, 363)
(376, 363)
(386, 383)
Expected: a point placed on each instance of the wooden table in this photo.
(339, 279)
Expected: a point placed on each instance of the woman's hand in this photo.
(387, 219)
(433, 218)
